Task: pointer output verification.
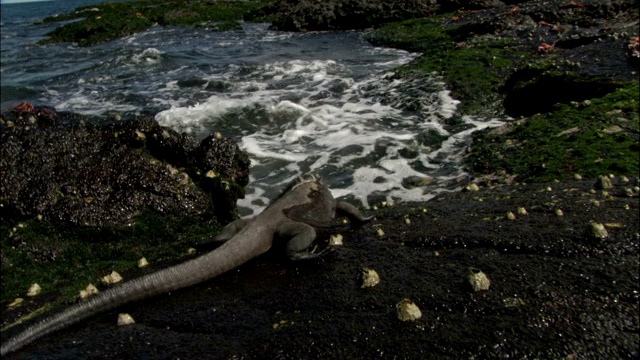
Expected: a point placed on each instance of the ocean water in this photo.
(321, 101)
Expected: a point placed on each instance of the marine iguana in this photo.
(306, 203)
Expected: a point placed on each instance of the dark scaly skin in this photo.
(306, 203)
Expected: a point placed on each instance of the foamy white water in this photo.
(322, 102)
(315, 116)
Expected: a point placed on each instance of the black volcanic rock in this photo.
(67, 169)
(309, 15)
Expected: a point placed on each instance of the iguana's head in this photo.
(306, 179)
(307, 183)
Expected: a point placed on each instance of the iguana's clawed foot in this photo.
(310, 255)
(352, 212)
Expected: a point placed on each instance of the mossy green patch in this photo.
(474, 70)
(595, 137)
(108, 21)
(64, 261)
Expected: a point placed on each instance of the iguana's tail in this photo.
(179, 276)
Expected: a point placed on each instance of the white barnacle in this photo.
(15, 303)
(370, 278)
(112, 278)
(478, 280)
(472, 187)
(88, 291)
(559, 212)
(143, 262)
(511, 216)
(522, 211)
(380, 232)
(140, 135)
(125, 319)
(596, 230)
(211, 174)
(34, 290)
(603, 182)
(408, 310)
(335, 239)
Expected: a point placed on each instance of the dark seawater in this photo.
(323, 102)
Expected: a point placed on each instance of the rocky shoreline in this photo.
(557, 288)
(565, 71)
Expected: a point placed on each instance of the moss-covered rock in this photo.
(513, 61)
(108, 21)
(64, 260)
(593, 137)
(82, 196)
(474, 69)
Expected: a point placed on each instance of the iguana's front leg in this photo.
(351, 212)
(300, 236)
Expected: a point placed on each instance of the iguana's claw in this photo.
(312, 254)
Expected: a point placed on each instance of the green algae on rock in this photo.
(588, 149)
(108, 21)
(63, 260)
(474, 69)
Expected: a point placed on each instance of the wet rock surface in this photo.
(309, 15)
(66, 169)
(559, 289)
(555, 292)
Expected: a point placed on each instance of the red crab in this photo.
(22, 107)
(633, 48)
(545, 48)
(571, 5)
